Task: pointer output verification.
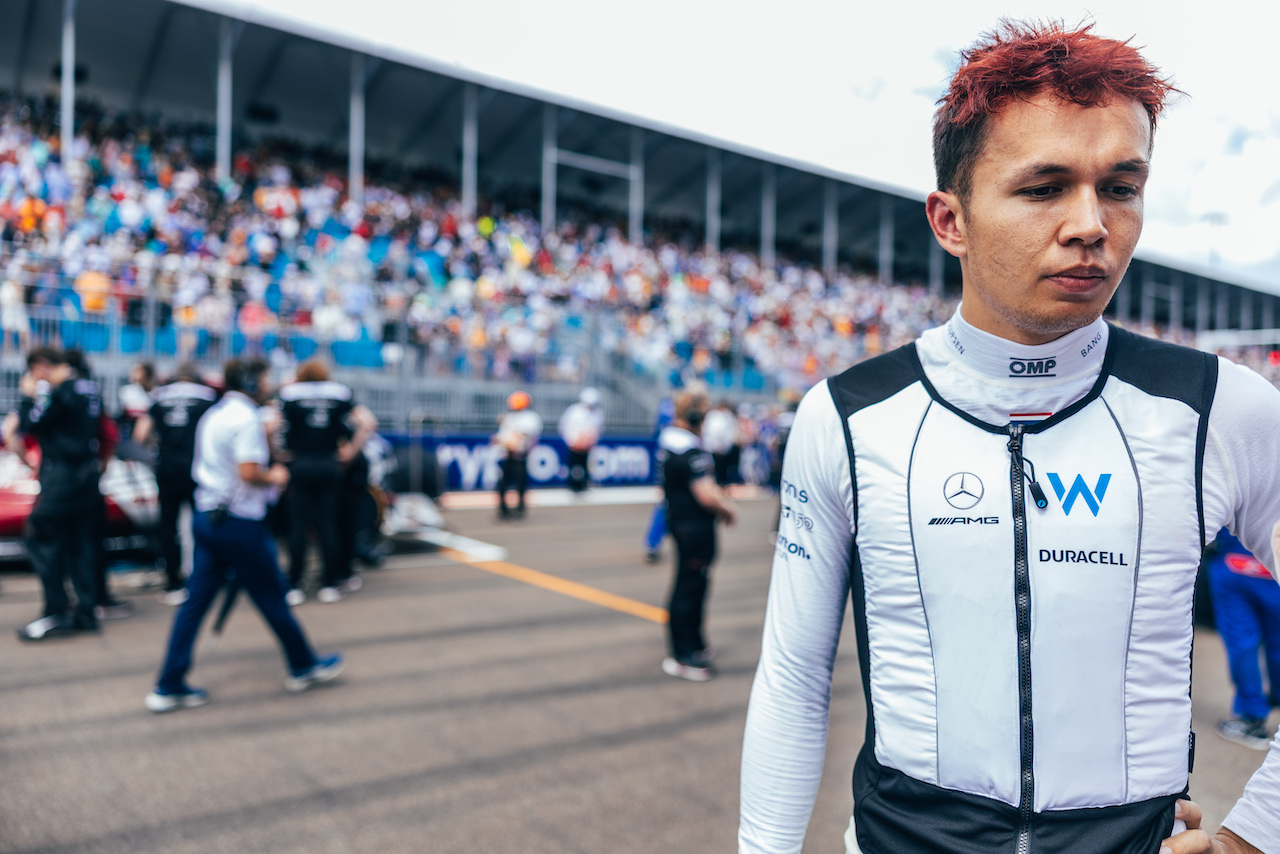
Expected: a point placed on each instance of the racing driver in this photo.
(1017, 504)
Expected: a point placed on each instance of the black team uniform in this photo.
(177, 408)
(693, 527)
(315, 415)
(65, 521)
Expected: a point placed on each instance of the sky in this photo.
(851, 85)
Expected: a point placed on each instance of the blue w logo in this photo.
(1079, 490)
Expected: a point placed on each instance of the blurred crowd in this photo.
(278, 260)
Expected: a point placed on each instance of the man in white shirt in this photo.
(235, 481)
(1017, 504)
(518, 432)
(580, 427)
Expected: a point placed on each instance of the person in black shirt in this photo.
(61, 410)
(694, 503)
(175, 410)
(319, 438)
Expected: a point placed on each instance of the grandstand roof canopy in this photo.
(292, 78)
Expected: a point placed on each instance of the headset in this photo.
(691, 408)
(245, 377)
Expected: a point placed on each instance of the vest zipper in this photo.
(1022, 601)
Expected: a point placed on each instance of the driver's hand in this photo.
(1193, 840)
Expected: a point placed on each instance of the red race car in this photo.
(132, 502)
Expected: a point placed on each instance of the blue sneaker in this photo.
(188, 698)
(323, 670)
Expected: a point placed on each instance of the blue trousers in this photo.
(243, 547)
(1247, 613)
(657, 527)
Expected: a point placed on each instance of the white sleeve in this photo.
(1242, 491)
(1242, 460)
(249, 443)
(786, 731)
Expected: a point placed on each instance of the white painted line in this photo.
(473, 549)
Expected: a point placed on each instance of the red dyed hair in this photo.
(1019, 60)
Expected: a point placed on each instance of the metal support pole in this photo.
(355, 141)
(226, 44)
(937, 268)
(1246, 309)
(1124, 297)
(470, 147)
(1148, 298)
(1268, 312)
(1177, 298)
(635, 206)
(549, 135)
(713, 199)
(768, 215)
(887, 225)
(830, 227)
(68, 79)
(1222, 319)
(24, 41)
(1202, 305)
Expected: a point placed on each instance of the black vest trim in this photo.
(863, 385)
(896, 814)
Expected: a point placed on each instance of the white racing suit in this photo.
(1020, 529)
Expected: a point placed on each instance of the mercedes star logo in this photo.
(962, 490)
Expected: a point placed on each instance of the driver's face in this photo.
(1053, 217)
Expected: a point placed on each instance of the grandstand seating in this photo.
(136, 252)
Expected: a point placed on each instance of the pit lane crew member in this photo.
(695, 502)
(319, 439)
(61, 410)
(518, 433)
(235, 481)
(176, 409)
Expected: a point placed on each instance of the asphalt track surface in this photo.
(486, 707)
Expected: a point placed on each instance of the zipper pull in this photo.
(1015, 448)
(1037, 494)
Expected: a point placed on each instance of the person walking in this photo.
(1017, 504)
(518, 432)
(175, 412)
(324, 430)
(235, 481)
(1246, 610)
(580, 427)
(695, 502)
(61, 411)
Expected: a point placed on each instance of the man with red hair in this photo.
(1017, 504)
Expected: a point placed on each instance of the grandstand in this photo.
(445, 237)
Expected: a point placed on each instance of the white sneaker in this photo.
(294, 598)
(191, 698)
(173, 597)
(671, 667)
(329, 595)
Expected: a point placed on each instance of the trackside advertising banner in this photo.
(473, 463)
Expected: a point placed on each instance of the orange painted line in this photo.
(562, 586)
